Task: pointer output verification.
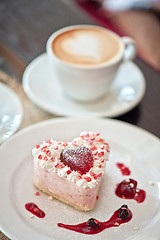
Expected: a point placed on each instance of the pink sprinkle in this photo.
(82, 136)
(92, 138)
(57, 165)
(62, 165)
(37, 194)
(101, 154)
(87, 135)
(92, 173)
(95, 176)
(80, 172)
(59, 143)
(40, 156)
(99, 175)
(106, 144)
(48, 152)
(52, 159)
(93, 148)
(43, 148)
(37, 146)
(95, 152)
(45, 158)
(49, 141)
(100, 166)
(99, 140)
(102, 146)
(69, 171)
(88, 179)
(102, 160)
(74, 143)
(65, 144)
(98, 134)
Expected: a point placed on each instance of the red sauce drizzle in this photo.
(124, 170)
(127, 189)
(34, 209)
(84, 228)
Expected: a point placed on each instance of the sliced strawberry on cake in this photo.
(71, 171)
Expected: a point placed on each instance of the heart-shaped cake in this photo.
(71, 171)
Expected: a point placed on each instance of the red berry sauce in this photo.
(124, 170)
(34, 209)
(93, 226)
(78, 159)
(127, 189)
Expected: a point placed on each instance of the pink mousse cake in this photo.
(71, 171)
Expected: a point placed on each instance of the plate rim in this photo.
(20, 108)
(31, 96)
(78, 118)
(63, 120)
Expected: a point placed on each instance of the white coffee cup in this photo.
(86, 59)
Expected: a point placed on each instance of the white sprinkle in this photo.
(136, 228)
(131, 185)
(151, 183)
(127, 180)
(116, 224)
(31, 216)
(50, 198)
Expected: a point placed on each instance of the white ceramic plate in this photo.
(11, 112)
(42, 88)
(133, 146)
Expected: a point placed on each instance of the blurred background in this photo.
(33, 21)
(139, 19)
(26, 25)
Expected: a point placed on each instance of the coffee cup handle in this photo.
(130, 48)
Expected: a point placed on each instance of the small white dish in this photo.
(11, 112)
(136, 148)
(43, 89)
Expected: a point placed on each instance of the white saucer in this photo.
(43, 89)
(11, 112)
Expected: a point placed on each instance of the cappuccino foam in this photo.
(86, 46)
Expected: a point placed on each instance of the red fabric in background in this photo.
(92, 10)
(106, 19)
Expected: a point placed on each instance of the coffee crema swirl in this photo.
(86, 46)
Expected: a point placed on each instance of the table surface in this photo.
(25, 26)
